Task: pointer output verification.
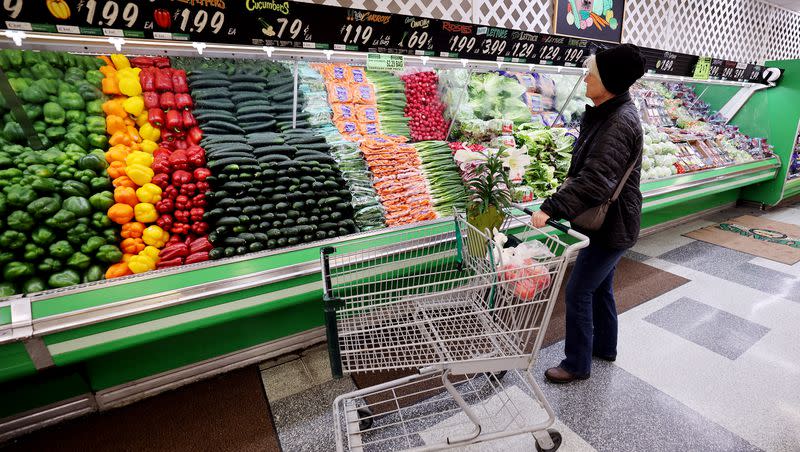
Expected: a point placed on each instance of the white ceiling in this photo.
(794, 5)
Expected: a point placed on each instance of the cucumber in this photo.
(246, 87)
(322, 158)
(255, 117)
(228, 221)
(222, 163)
(202, 84)
(306, 139)
(216, 105)
(224, 126)
(274, 158)
(247, 78)
(275, 149)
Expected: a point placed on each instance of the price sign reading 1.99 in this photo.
(471, 41)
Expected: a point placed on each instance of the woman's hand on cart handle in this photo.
(539, 219)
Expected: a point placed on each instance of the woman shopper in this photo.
(608, 149)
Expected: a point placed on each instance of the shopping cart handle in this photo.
(550, 222)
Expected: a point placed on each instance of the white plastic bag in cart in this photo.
(520, 265)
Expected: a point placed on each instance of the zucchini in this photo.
(224, 126)
(275, 149)
(315, 158)
(250, 78)
(228, 221)
(246, 87)
(222, 163)
(236, 186)
(216, 105)
(202, 84)
(249, 117)
(283, 97)
(274, 158)
(288, 116)
(307, 139)
(233, 241)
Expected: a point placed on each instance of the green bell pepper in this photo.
(30, 59)
(12, 240)
(55, 133)
(4, 63)
(95, 78)
(54, 155)
(64, 279)
(92, 162)
(14, 57)
(3, 204)
(19, 84)
(88, 92)
(96, 124)
(19, 196)
(79, 261)
(92, 244)
(54, 114)
(7, 289)
(33, 111)
(84, 176)
(78, 128)
(61, 250)
(94, 273)
(20, 221)
(74, 151)
(6, 257)
(77, 138)
(63, 219)
(109, 254)
(43, 236)
(100, 183)
(39, 171)
(32, 158)
(78, 205)
(80, 233)
(5, 159)
(95, 107)
(44, 207)
(75, 188)
(100, 220)
(26, 72)
(10, 173)
(49, 265)
(48, 85)
(33, 252)
(98, 141)
(44, 70)
(15, 271)
(102, 201)
(35, 94)
(34, 285)
(13, 132)
(75, 116)
(64, 174)
(111, 234)
(71, 101)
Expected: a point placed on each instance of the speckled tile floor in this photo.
(713, 365)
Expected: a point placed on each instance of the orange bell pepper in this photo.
(117, 270)
(126, 195)
(110, 85)
(120, 137)
(124, 181)
(134, 133)
(115, 124)
(116, 168)
(127, 257)
(105, 59)
(113, 107)
(117, 153)
(120, 213)
(132, 246)
(132, 230)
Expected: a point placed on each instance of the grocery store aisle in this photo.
(711, 365)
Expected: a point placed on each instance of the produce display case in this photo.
(119, 338)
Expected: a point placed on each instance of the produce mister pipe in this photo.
(569, 98)
(294, 98)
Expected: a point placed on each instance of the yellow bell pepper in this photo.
(139, 174)
(120, 61)
(149, 193)
(151, 251)
(139, 158)
(148, 132)
(134, 105)
(155, 236)
(141, 264)
(130, 86)
(148, 146)
(145, 212)
(141, 119)
(124, 73)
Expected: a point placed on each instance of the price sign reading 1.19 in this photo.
(363, 30)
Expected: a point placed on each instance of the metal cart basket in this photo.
(441, 300)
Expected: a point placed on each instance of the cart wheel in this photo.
(365, 414)
(556, 437)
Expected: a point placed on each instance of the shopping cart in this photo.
(440, 299)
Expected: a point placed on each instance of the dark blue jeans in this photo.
(591, 309)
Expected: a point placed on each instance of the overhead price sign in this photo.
(462, 40)
(702, 68)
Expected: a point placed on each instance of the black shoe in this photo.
(610, 359)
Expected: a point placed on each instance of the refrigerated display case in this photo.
(106, 343)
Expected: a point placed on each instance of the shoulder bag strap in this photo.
(624, 179)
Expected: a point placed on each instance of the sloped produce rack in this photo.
(70, 351)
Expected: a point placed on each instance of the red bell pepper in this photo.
(170, 192)
(161, 165)
(181, 216)
(179, 84)
(188, 119)
(182, 202)
(178, 161)
(174, 121)
(196, 214)
(175, 262)
(196, 156)
(161, 151)
(199, 245)
(163, 18)
(183, 101)
(147, 79)
(188, 189)
(202, 186)
(155, 116)
(165, 222)
(180, 228)
(200, 256)
(181, 177)
(167, 100)
(161, 62)
(150, 99)
(161, 179)
(200, 228)
(194, 135)
(200, 174)
(164, 80)
(181, 144)
(200, 200)
(178, 249)
(165, 206)
(141, 62)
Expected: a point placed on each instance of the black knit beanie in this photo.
(619, 67)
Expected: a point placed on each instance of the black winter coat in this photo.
(610, 140)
